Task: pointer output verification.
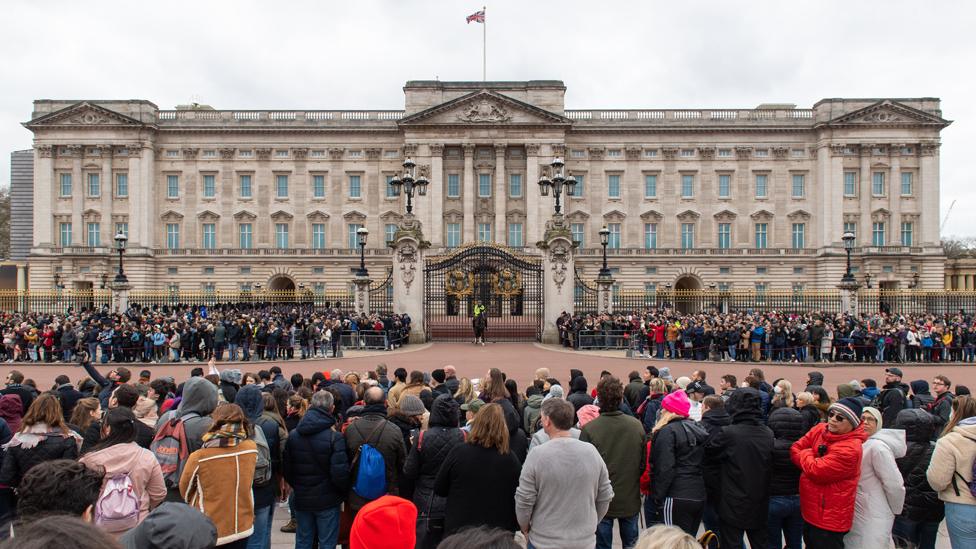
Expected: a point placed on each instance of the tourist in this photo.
(251, 401)
(387, 523)
(43, 436)
(784, 519)
(217, 478)
(373, 427)
(942, 405)
(172, 525)
(556, 510)
(893, 397)
(714, 418)
(918, 524)
(479, 478)
(677, 456)
(951, 472)
(11, 411)
(60, 532)
(880, 490)
(15, 386)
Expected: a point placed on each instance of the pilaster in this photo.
(408, 272)
(558, 268)
(501, 194)
(533, 228)
(468, 192)
(436, 192)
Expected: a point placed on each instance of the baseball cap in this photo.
(473, 406)
(894, 372)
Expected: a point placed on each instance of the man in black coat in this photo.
(714, 418)
(745, 450)
(893, 396)
(316, 466)
(67, 394)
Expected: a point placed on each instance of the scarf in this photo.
(229, 434)
(37, 433)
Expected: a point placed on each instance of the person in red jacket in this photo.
(829, 458)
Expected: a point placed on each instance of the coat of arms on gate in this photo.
(507, 283)
(459, 284)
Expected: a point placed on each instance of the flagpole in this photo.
(484, 45)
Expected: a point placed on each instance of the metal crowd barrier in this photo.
(603, 339)
(365, 340)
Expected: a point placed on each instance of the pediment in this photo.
(354, 215)
(726, 214)
(282, 214)
(81, 115)
(390, 215)
(245, 215)
(762, 214)
(614, 215)
(91, 213)
(799, 214)
(171, 214)
(651, 215)
(485, 107)
(688, 215)
(317, 214)
(880, 213)
(578, 215)
(208, 215)
(888, 113)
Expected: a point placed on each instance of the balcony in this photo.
(618, 252)
(303, 252)
(693, 116)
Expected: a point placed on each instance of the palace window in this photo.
(577, 230)
(907, 230)
(453, 235)
(762, 230)
(484, 232)
(878, 183)
(318, 186)
(850, 183)
(65, 185)
(515, 235)
(355, 189)
(650, 186)
(687, 186)
(353, 236)
(799, 235)
(389, 231)
(761, 185)
(650, 236)
(878, 233)
(515, 185)
(122, 185)
(246, 234)
(318, 236)
(65, 229)
(724, 185)
(906, 183)
(687, 236)
(94, 185)
(799, 185)
(172, 186)
(209, 236)
(613, 186)
(724, 235)
(172, 236)
(94, 233)
(245, 186)
(281, 186)
(614, 241)
(453, 185)
(209, 186)
(484, 185)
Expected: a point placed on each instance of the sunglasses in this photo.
(836, 415)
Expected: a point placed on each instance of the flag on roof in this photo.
(477, 17)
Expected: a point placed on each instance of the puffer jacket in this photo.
(315, 463)
(880, 491)
(533, 409)
(922, 503)
(654, 401)
(677, 454)
(578, 396)
(787, 425)
(828, 482)
(18, 459)
(428, 453)
(713, 421)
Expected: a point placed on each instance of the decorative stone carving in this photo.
(407, 259)
(373, 154)
(227, 153)
(45, 151)
(75, 150)
(558, 149)
(929, 149)
(409, 149)
(336, 153)
(881, 214)
(652, 216)
(500, 149)
(300, 153)
(802, 215)
(725, 216)
(780, 153)
(838, 149)
(436, 149)
(263, 154)
(688, 216)
(669, 153)
(633, 153)
(190, 152)
(762, 215)
(468, 149)
(134, 149)
(532, 149)
(423, 170)
(884, 116)
(89, 118)
(743, 153)
(559, 257)
(596, 153)
(706, 153)
(484, 111)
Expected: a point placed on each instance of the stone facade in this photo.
(731, 197)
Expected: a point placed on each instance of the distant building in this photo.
(739, 198)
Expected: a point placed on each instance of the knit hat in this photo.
(438, 375)
(587, 413)
(473, 406)
(874, 412)
(385, 523)
(683, 382)
(556, 391)
(665, 373)
(850, 408)
(412, 406)
(677, 403)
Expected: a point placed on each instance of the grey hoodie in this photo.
(199, 401)
(172, 526)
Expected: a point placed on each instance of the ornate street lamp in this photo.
(604, 240)
(120, 240)
(361, 234)
(848, 277)
(409, 183)
(557, 182)
(915, 277)
(867, 280)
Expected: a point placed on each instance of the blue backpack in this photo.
(370, 469)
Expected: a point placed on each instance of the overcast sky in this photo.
(248, 54)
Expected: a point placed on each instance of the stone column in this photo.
(408, 270)
(21, 277)
(435, 194)
(533, 229)
(558, 269)
(927, 188)
(44, 195)
(470, 190)
(361, 299)
(501, 194)
(605, 294)
(120, 296)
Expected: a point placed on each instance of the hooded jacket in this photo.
(892, 400)
(677, 455)
(251, 401)
(787, 426)
(533, 409)
(922, 503)
(315, 462)
(578, 396)
(11, 411)
(382, 435)
(428, 452)
(745, 450)
(880, 491)
(921, 397)
(953, 458)
(141, 466)
(828, 479)
(713, 421)
(198, 402)
(815, 378)
(811, 416)
(620, 440)
(172, 525)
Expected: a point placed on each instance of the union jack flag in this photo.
(477, 17)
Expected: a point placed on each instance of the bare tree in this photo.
(4, 223)
(956, 247)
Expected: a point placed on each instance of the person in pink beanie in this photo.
(676, 403)
(388, 522)
(587, 413)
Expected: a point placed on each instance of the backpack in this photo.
(117, 507)
(262, 470)
(879, 398)
(171, 449)
(972, 483)
(370, 469)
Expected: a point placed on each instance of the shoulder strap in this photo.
(420, 441)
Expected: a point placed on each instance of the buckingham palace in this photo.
(730, 198)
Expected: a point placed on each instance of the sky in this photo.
(290, 54)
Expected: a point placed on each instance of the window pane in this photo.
(209, 236)
(614, 241)
(687, 235)
(851, 227)
(906, 233)
(878, 183)
(390, 230)
(724, 185)
(687, 186)
(578, 191)
(209, 186)
(650, 186)
(281, 186)
(850, 183)
(353, 237)
(724, 235)
(613, 186)
(484, 184)
(515, 235)
(799, 235)
(94, 185)
(453, 185)
(173, 186)
(761, 235)
(484, 232)
(281, 235)
(318, 186)
(172, 236)
(66, 184)
(650, 236)
(246, 236)
(577, 230)
(355, 191)
(906, 183)
(318, 236)
(66, 234)
(453, 235)
(94, 234)
(878, 234)
(121, 185)
(761, 180)
(799, 184)
(515, 185)
(245, 186)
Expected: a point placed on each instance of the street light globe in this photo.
(362, 233)
(604, 235)
(120, 239)
(848, 239)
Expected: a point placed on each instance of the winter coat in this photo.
(198, 402)
(880, 491)
(315, 463)
(713, 421)
(941, 409)
(17, 460)
(787, 425)
(531, 414)
(892, 400)
(620, 440)
(953, 458)
(654, 401)
(811, 417)
(578, 396)
(745, 450)
(828, 482)
(386, 438)
(141, 466)
(69, 396)
(428, 453)
(217, 481)
(922, 503)
(479, 486)
(633, 392)
(677, 455)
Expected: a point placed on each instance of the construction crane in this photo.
(946, 218)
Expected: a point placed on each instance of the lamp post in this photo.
(867, 280)
(361, 234)
(557, 182)
(120, 240)
(848, 277)
(915, 277)
(408, 183)
(604, 240)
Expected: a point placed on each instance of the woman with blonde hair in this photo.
(782, 395)
(43, 436)
(479, 478)
(87, 411)
(677, 457)
(951, 472)
(662, 536)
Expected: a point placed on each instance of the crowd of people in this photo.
(432, 459)
(184, 333)
(770, 336)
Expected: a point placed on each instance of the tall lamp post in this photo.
(120, 240)
(848, 277)
(408, 183)
(604, 240)
(361, 234)
(557, 182)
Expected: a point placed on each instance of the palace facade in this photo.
(735, 198)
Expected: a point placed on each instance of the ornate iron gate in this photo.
(508, 285)
(381, 296)
(584, 296)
